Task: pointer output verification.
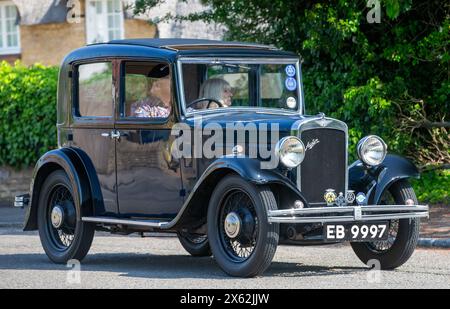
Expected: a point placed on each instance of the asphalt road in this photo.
(161, 262)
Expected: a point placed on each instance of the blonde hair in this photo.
(214, 88)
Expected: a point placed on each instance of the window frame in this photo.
(75, 92)
(91, 30)
(258, 60)
(4, 33)
(121, 118)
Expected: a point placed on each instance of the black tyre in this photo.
(242, 240)
(63, 235)
(196, 245)
(403, 234)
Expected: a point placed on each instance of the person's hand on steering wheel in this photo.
(210, 100)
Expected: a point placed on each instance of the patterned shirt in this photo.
(149, 108)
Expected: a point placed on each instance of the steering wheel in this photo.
(211, 100)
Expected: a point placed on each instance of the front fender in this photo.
(375, 181)
(250, 170)
(247, 168)
(70, 161)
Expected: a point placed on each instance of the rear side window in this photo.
(95, 97)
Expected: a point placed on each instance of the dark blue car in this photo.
(210, 140)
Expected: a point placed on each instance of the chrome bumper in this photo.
(348, 213)
(21, 200)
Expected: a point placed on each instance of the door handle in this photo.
(114, 134)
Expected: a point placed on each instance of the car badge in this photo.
(360, 198)
(322, 121)
(350, 196)
(312, 143)
(340, 200)
(330, 197)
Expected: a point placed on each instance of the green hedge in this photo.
(27, 113)
(433, 187)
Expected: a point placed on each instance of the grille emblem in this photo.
(323, 122)
(350, 196)
(330, 197)
(312, 143)
(340, 201)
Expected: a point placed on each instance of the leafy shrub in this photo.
(27, 113)
(433, 187)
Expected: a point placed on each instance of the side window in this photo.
(95, 97)
(146, 90)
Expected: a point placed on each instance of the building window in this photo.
(9, 29)
(104, 20)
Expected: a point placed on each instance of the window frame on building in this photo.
(116, 17)
(4, 48)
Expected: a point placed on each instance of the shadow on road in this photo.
(164, 266)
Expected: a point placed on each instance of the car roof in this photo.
(190, 44)
(171, 49)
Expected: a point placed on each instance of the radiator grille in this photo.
(325, 165)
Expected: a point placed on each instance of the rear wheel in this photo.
(63, 235)
(403, 234)
(242, 240)
(196, 245)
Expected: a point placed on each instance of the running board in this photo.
(142, 223)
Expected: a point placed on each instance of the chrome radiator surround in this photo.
(320, 122)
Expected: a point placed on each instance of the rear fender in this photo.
(69, 160)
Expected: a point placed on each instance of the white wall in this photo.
(195, 30)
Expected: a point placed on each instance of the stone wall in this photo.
(14, 182)
(48, 44)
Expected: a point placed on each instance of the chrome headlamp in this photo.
(291, 151)
(371, 150)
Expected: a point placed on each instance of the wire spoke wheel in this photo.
(384, 245)
(239, 206)
(61, 217)
(403, 234)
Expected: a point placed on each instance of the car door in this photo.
(148, 178)
(93, 121)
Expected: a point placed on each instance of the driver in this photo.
(217, 89)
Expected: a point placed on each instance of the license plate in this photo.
(356, 231)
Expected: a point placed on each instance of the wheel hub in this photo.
(233, 225)
(57, 216)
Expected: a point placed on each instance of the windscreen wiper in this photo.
(231, 65)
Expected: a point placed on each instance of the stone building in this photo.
(45, 30)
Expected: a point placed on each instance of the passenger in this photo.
(218, 89)
(158, 102)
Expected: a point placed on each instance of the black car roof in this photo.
(170, 49)
(190, 44)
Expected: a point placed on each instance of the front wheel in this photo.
(403, 233)
(242, 240)
(63, 235)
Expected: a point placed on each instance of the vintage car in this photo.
(210, 140)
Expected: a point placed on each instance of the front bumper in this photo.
(348, 213)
